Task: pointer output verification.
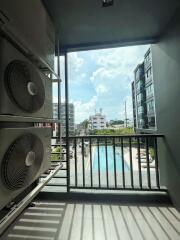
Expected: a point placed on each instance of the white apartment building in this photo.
(97, 121)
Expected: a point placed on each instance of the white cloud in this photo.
(75, 62)
(121, 113)
(84, 109)
(101, 89)
(119, 60)
(103, 73)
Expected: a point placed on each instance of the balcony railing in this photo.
(128, 162)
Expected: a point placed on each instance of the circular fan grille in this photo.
(24, 86)
(22, 161)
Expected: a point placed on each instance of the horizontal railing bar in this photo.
(57, 153)
(58, 139)
(118, 136)
(119, 188)
(57, 160)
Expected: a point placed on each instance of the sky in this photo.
(101, 79)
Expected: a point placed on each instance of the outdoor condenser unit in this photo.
(25, 91)
(24, 156)
(30, 24)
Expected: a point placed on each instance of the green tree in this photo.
(56, 153)
(151, 152)
(121, 131)
(84, 124)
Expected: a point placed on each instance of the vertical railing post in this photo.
(59, 92)
(67, 121)
(148, 165)
(139, 162)
(114, 155)
(156, 162)
(131, 162)
(91, 167)
(123, 169)
(107, 167)
(83, 166)
(99, 167)
(75, 158)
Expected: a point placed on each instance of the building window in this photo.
(150, 106)
(148, 73)
(151, 122)
(140, 109)
(148, 57)
(149, 90)
(139, 97)
(141, 123)
(138, 85)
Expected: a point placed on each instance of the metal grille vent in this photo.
(24, 86)
(22, 161)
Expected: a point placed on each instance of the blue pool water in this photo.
(110, 154)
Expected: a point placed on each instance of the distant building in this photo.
(97, 121)
(143, 99)
(63, 118)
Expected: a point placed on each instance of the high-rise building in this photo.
(143, 96)
(63, 118)
(97, 121)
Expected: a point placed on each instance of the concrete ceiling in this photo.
(85, 24)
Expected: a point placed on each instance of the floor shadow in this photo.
(49, 220)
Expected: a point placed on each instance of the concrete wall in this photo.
(166, 65)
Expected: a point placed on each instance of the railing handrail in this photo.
(118, 136)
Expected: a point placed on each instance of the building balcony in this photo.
(151, 113)
(141, 114)
(140, 102)
(96, 202)
(148, 80)
(149, 96)
(108, 187)
(147, 64)
(141, 89)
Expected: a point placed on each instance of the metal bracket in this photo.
(17, 209)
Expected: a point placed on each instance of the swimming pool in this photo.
(110, 155)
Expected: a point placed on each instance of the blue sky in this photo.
(102, 79)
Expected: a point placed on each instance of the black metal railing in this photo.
(126, 162)
(114, 162)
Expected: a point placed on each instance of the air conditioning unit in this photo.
(30, 24)
(25, 91)
(24, 156)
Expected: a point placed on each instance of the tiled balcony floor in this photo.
(95, 221)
